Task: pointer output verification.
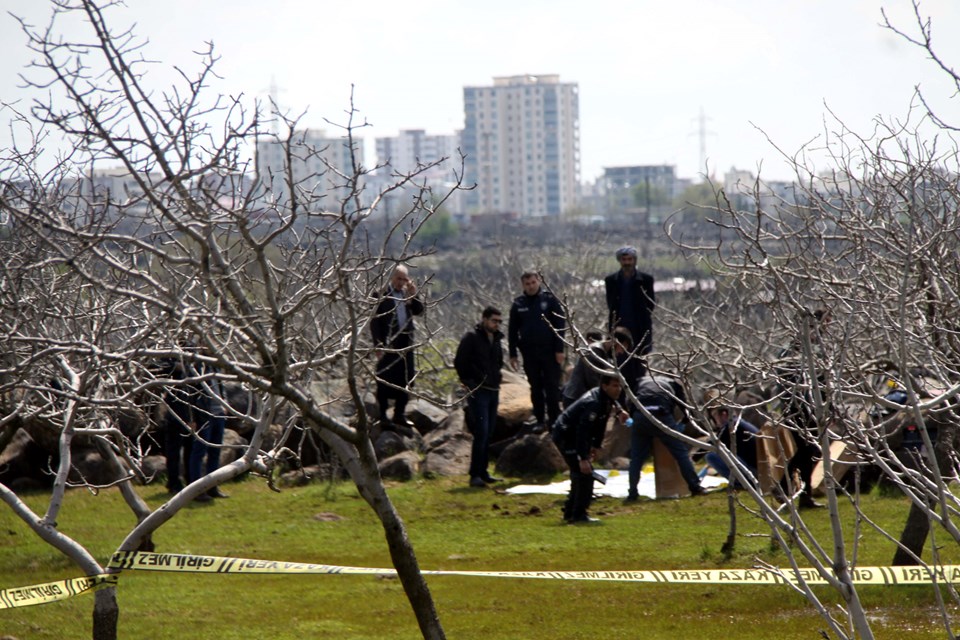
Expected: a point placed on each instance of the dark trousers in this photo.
(581, 490)
(543, 374)
(178, 441)
(482, 407)
(212, 432)
(394, 370)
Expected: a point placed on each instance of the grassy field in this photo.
(452, 527)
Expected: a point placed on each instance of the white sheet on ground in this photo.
(616, 487)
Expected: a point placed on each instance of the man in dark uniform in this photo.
(392, 329)
(478, 363)
(578, 434)
(630, 300)
(536, 329)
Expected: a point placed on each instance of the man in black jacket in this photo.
(578, 434)
(536, 329)
(478, 363)
(392, 330)
(630, 300)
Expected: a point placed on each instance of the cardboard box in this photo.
(775, 448)
(667, 478)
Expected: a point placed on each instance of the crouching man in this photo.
(578, 433)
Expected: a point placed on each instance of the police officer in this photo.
(536, 330)
(578, 433)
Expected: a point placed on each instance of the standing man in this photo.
(205, 450)
(392, 328)
(536, 329)
(578, 433)
(659, 395)
(630, 300)
(478, 362)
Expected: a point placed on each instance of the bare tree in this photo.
(273, 278)
(872, 244)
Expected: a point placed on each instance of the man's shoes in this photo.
(492, 479)
(806, 501)
(477, 482)
(631, 497)
(217, 493)
(583, 520)
(697, 490)
(203, 497)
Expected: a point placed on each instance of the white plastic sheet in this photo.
(616, 487)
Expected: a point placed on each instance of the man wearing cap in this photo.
(630, 300)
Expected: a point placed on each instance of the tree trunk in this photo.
(361, 463)
(913, 538)
(106, 614)
(405, 562)
(731, 541)
(917, 528)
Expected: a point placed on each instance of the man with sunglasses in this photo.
(478, 363)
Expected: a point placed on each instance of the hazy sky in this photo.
(645, 68)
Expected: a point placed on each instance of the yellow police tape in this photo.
(211, 564)
(183, 563)
(53, 591)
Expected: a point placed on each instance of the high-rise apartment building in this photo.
(313, 154)
(521, 139)
(411, 147)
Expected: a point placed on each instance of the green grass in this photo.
(452, 527)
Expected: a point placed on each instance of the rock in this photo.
(326, 516)
(22, 459)
(153, 467)
(390, 443)
(533, 454)
(306, 475)
(89, 467)
(403, 466)
(452, 427)
(272, 437)
(234, 446)
(451, 457)
(242, 401)
(425, 416)
(515, 406)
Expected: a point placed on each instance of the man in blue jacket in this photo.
(578, 434)
(536, 330)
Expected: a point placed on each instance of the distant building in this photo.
(408, 153)
(521, 139)
(742, 190)
(313, 155)
(413, 148)
(630, 187)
